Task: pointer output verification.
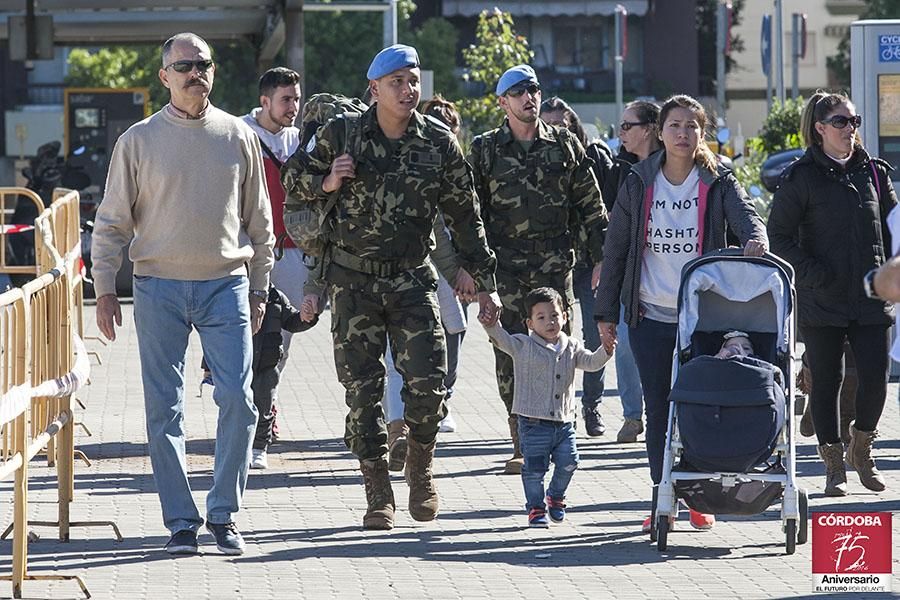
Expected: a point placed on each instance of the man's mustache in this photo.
(200, 82)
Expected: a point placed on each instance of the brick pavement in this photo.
(301, 518)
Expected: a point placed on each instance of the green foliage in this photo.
(497, 48)
(340, 45)
(234, 88)
(781, 129)
(839, 64)
(436, 42)
(118, 67)
(748, 174)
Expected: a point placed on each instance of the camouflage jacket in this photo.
(386, 213)
(531, 201)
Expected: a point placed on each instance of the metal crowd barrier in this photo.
(42, 363)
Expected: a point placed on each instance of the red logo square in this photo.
(851, 549)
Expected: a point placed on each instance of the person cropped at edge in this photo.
(404, 169)
(672, 207)
(829, 220)
(555, 111)
(184, 186)
(534, 183)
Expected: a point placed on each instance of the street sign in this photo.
(765, 44)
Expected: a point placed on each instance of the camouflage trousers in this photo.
(365, 310)
(513, 287)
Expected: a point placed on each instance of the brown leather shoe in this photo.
(379, 495)
(835, 473)
(859, 456)
(514, 464)
(423, 496)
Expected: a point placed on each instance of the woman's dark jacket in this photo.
(830, 224)
(728, 207)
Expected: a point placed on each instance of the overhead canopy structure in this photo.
(99, 22)
(543, 8)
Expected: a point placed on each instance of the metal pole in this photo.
(769, 90)
(779, 36)
(795, 55)
(294, 39)
(393, 14)
(620, 69)
(721, 34)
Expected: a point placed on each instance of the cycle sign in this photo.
(889, 47)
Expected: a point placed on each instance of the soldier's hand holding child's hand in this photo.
(464, 286)
(489, 308)
(309, 308)
(342, 168)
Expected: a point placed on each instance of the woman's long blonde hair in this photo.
(704, 157)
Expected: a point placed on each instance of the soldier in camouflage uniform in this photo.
(534, 183)
(407, 168)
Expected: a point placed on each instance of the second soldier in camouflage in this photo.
(534, 183)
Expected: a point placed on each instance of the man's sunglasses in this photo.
(531, 88)
(627, 125)
(840, 121)
(186, 66)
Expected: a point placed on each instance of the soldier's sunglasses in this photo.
(840, 121)
(518, 90)
(627, 125)
(186, 66)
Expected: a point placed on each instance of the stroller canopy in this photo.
(730, 291)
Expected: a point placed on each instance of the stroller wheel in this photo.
(790, 534)
(662, 533)
(803, 530)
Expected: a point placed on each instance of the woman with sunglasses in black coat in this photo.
(828, 220)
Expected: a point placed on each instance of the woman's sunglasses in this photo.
(186, 66)
(840, 121)
(627, 125)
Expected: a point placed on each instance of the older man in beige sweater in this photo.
(186, 191)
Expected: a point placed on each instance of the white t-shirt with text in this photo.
(673, 238)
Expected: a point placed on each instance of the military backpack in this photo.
(310, 224)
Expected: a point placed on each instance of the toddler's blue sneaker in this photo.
(538, 518)
(557, 509)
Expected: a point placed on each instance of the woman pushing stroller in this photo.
(673, 207)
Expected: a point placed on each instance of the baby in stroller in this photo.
(737, 343)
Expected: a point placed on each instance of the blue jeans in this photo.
(542, 441)
(592, 383)
(653, 345)
(627, 377)
(165, 311)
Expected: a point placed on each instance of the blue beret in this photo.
(517, 74)
(398, 56)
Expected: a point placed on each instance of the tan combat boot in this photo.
(379, 495)
(514, 464)
(398, 432)
(423, 497)
(859, 456)
(835, 473)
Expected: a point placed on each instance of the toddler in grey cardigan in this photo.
(544, 364)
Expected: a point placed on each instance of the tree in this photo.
(497, 48)
(706, 32)
(234, 90)
(340, 45)
(839, 64)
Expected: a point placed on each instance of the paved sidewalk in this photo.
(302, 516)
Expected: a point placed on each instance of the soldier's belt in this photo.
(380, 268)
(562, 242)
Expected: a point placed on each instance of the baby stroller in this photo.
(730, 436)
